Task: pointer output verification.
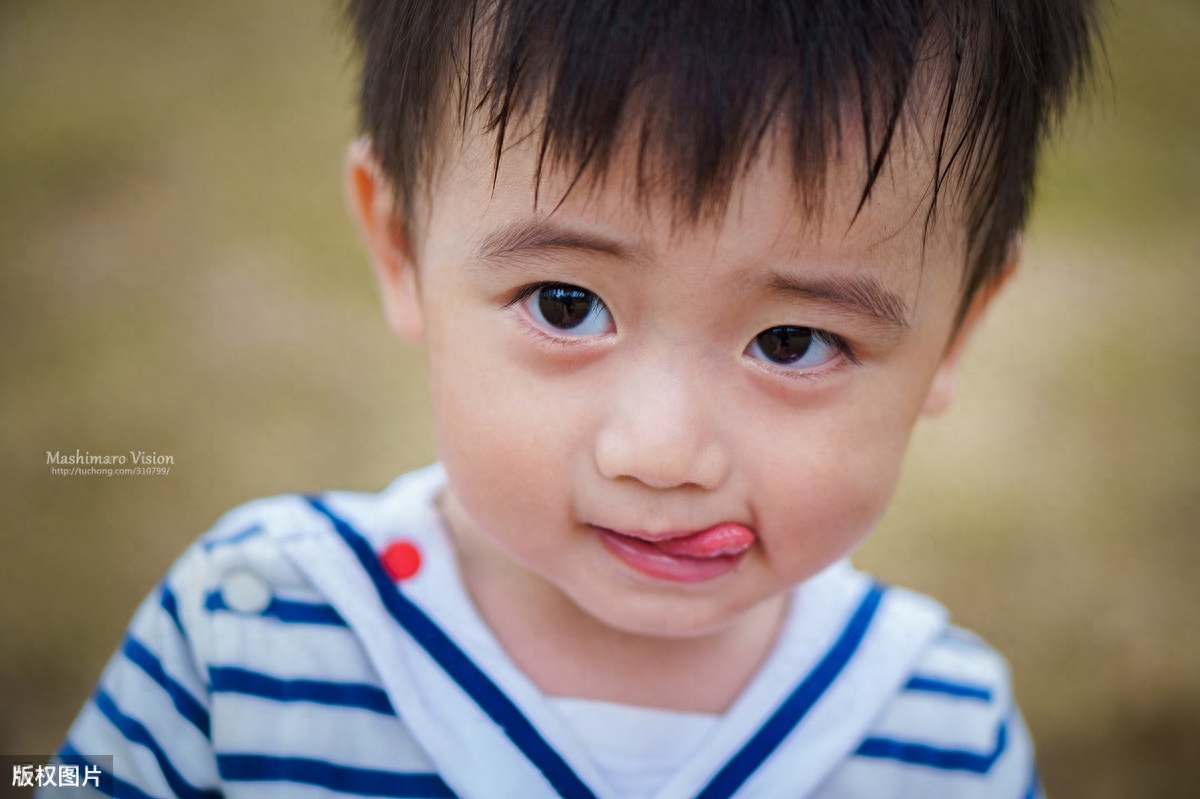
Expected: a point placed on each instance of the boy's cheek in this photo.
(833, 475)
(843, 492)
(504, 431)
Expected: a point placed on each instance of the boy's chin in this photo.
(681, 618)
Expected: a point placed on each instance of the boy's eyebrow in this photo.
(541, 235)
(861, 296)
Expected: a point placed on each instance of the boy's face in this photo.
(602, 381)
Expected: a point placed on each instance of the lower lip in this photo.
(651, 561)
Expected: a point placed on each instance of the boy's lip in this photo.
(687, 556)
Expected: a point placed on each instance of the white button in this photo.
(245, 592)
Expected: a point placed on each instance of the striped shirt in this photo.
(281, 657)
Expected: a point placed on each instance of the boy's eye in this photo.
(795, 348)
(562, 308)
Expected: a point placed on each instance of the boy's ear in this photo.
(944, 387)
(372, 204)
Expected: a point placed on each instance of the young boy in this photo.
(686, 274)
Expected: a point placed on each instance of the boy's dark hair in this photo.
(707, 78)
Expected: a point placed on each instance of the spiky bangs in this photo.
(706, 80)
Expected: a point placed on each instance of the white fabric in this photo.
(636, 749)
(325, 692)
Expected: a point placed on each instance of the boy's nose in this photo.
(662, 432)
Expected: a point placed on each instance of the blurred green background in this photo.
(177, 273)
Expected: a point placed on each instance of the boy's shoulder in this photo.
(239, 668)
(286, 517)
(255, 566)
(260, 537)
(953, 728)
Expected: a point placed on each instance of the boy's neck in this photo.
(566, 652)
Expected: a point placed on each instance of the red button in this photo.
(401, 560)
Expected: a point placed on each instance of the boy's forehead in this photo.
(767, 213)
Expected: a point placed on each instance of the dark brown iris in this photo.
(565, 307)
(785, 344)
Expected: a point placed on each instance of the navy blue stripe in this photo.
(459, 667)
(109, 785)
(228, 679)
(184, 702)
(935, 686)
(933, 757)
(135, 732)
(303, 613)
(739, 768)
(241, 535)
(285, 610)
(344, 779)
(172, 608)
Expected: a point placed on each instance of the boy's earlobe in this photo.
(944, 387)
(372, 204)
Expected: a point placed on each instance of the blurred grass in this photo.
(177, 274)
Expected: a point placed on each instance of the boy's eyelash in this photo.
(839, 344)
(525, 292)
